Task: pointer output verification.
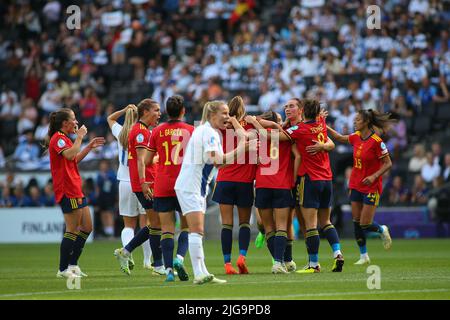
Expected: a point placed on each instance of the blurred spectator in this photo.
(430, 169)
(18, 196)
(398, 137)
(438, 156)
(6, 200)
(10, 106)
(89, 105)
(34, 199)
(42, 129)
(28, 117)
(418, 159)
(48, 196)
(439, 204)
(446, 171)
(27, 153)
(110, 149)
(419, 191)
(51, 100)
(106, 197)
(397, 192)
(2, 158)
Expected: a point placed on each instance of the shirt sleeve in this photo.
(381, 149)
(116, 129)
(61, 143)
(352, 137)
(143, 139)
(152, 145)
(211, 142)
(293, 132)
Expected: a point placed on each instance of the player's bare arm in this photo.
(337, 136)
(386, 164)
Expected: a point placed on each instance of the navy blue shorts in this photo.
(315, 194)
(145, 203)
(234, 193)
(273, 198)
(371, 199)
(166, 204)
(69, 204)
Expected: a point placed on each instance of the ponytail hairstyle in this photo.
(311, 109)
(377, 120)
(210, 108)
(56, 120)
(237, 108)
(130, 120)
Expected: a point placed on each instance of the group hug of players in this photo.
(166, 168)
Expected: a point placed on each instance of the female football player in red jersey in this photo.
(234, 187)
(64, 158)
(274, 181)
(315, 185)
(142, 176)
(370, 161)
(129, 207)
(169, 140)
(294, 115)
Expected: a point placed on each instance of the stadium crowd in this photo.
(266, 51)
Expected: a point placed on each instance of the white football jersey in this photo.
(197, 170)
(123, 173)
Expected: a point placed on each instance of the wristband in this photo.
(142, 180)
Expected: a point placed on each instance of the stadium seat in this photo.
(197, 24)
(442, 115)
(124, 72)
(422, 126)
(212, 25)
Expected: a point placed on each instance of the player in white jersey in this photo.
(129, 207)
(203, 153)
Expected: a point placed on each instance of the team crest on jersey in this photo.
(140, 138)
(61, 143)
(291, 129)
(211, 141)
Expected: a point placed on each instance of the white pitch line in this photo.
(331, 294)
(300, 280)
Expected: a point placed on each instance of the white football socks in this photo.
(196, 253)
(147, 252)
(126, 235)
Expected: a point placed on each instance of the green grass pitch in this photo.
(412, 269)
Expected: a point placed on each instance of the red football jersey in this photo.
(276, 170)
(139, 137)
(65, 175)
(317, 166)
(169, 140)
(242, 171)
(367, 156)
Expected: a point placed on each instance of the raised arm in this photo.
(261, 125)
(72, 152)
(94, 143)
(112, 118)
(337, 136)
